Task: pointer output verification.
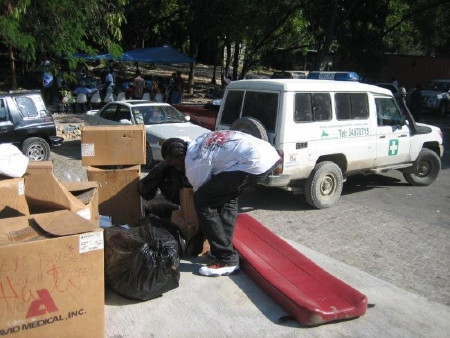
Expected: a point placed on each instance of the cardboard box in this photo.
(113, 145)
(87, 193)
(187, 221)
(12, 198)
(52, 276)
(186, 218)
(118, 193)
(44, 193)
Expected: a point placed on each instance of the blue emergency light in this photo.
(336, 76)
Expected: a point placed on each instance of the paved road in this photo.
(381, 225)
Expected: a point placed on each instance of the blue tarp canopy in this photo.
(164, 54)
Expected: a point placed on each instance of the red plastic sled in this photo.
(306, 291)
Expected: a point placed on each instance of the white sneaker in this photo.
(218, 269)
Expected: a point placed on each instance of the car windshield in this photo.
(438, 86)
(149, 115)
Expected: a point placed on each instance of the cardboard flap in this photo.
(63, 223)
(79, 186)
(44, 191)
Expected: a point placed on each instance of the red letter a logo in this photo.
(42, 305)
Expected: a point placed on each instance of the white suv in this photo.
(327, 130)
(436, 96)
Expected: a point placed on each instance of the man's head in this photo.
(173, 151)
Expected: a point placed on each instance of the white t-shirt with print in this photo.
(227, 150)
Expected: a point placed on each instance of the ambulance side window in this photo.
(388, 113)
(261, 106)
(312, 107)
(232, 107)
(352, 106)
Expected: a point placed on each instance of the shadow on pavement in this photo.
(359, 183)
(262, 301)
(70, 149)
(260, 197)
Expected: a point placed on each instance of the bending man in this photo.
(220, 165)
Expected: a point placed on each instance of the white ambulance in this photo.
(326, 130)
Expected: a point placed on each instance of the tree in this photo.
(419, 27)
(11, 35)
(56, 29)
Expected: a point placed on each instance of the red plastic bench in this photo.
(306, 291)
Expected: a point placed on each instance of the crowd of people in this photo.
(158, 89)
(109, 84)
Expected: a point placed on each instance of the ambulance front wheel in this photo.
(425, 169)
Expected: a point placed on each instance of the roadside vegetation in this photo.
(234, 36)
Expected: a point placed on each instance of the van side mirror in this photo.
(125, 121)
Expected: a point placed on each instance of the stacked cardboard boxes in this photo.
(113, 155)
(51, 253)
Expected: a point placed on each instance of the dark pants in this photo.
(216, 203)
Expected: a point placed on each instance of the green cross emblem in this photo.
(393, 147)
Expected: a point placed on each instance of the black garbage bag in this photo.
(142, 262)
(161, 222)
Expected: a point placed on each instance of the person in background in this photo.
(47, 83)
(416, 102)
(83, 89)
(220, 165)
(129, 93)
(109, 82)
(176, 93)
(394, 81)
(139, 84)
(149, 88)
(159, 95)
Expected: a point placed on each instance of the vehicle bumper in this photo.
(56, 141)
(276, 181)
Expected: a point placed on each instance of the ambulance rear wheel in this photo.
(323, 187)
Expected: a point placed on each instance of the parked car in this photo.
(436, 96)
(289, 74)
(26, 122)
(202, 114)
(161, 120)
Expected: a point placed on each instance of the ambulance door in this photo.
(393, 135)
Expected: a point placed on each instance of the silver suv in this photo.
(436, 96)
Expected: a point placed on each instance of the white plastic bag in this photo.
(12, 162)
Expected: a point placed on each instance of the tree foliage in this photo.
(244, 33)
